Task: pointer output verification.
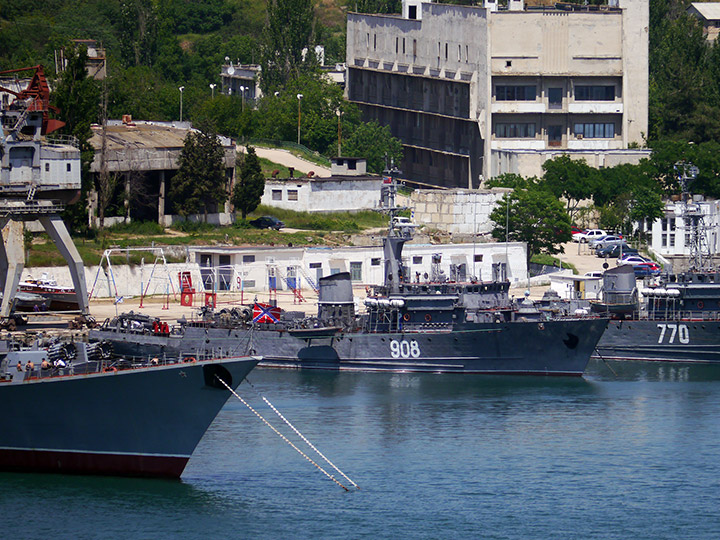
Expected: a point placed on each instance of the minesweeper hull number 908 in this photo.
(404, 349)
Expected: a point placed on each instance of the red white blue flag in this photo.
(387, 179)
(265, 313)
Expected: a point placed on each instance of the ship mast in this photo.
(693, 220)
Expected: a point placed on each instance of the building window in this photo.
(375, 262)
(375, 42)
(595, 93)
(403, 45)
(459, 53)
(397, 45)
(515, 131)
(595, 130)
(516, 93)
(446, 51)
(315, 265)
(417, 260)
(356, 271)
(478, 258)
(292, 194)
(47, 167)
(69, 167)
(351, 164)
(412, 12)
(467, 53)
(367, 40)
(248, 259)
(277, 194)
(414, 47)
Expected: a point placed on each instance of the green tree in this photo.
(646, 206)
(138, 32)
(200, 183)
(288, 31)
(375, 143)
(250, 186)
(572, 179)
(512, 180)
(78, 99)
(536, 217)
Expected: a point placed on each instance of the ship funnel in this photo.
(392, 250)
(336, 304)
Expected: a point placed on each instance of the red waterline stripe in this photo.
(57, 461)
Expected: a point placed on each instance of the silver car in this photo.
(605, 241)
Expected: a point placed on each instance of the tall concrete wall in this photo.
(457, 211)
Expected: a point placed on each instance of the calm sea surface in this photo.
(437, 456)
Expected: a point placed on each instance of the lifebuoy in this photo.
(110, 369)
(428, 317)
(700, 304)
(406, 317)
(190, 359)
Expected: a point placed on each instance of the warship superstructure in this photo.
(437, 325)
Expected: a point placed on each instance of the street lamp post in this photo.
(212, 88)
(299, 97)
(242, 96)
(181, 95)
(339, 115)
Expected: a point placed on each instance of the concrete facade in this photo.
(457, 211)
(474, 92)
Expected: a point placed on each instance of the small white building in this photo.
(709, 15)
(348, 189)
(571, 287)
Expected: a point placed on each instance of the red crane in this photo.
(36, 97)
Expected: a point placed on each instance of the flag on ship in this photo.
(265, 313)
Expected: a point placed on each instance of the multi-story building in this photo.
(474, 92)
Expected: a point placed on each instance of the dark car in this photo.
(614, 251)
(267, 222)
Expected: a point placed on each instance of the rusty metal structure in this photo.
(39, 175)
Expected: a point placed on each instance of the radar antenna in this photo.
(693, 219)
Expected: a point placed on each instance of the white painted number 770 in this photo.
(680, 330)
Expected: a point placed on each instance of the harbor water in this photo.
(631, 454)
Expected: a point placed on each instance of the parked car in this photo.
(614, 251)
(267, 222)
(646, 269)
(605, 241)
(633, 260)
(594, 274)
(591, 234)
(576, 230)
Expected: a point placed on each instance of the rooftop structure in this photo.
(477, 91)
(709, 15)
(145, 154)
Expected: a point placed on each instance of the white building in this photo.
(256, 268)
(672, 235)
(348, 189)
(476, 91)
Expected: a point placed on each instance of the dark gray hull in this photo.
(141, 422)
(683, 341)
(558, 347)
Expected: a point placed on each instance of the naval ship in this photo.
(437, 325)
(676, 316)
(77, 408)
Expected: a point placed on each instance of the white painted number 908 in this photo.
(404, 349)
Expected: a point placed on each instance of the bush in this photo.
(141, 228)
